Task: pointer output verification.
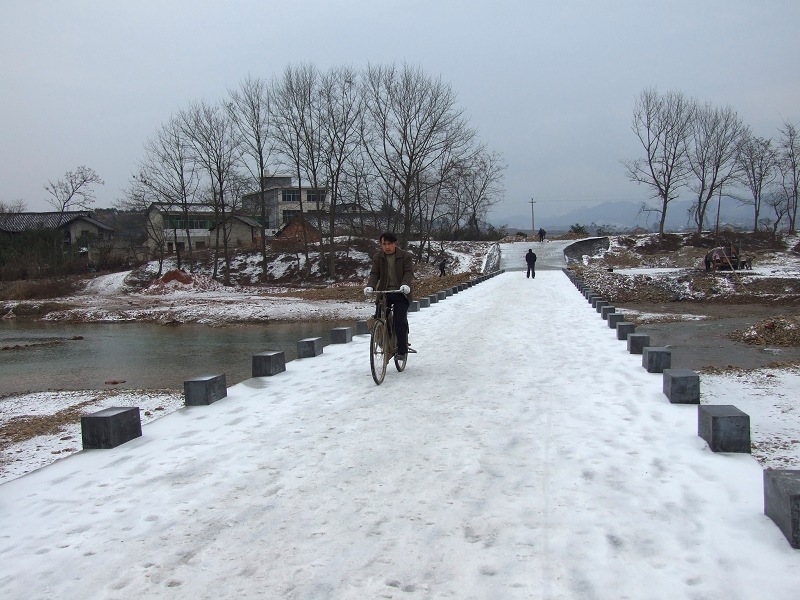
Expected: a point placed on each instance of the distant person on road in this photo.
(393, 269)
(442, 265)
(542, 233)
(530, 260)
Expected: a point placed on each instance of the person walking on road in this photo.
(530, 259)
(393, 269)
(542, 233)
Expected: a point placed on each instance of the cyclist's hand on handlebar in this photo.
(368, 290)
(405, 289)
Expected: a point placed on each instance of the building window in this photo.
(289, 215)
(315, 196)
(193, 223)
(291, 195)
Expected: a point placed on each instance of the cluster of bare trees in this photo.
(710, 152)
(390, 145)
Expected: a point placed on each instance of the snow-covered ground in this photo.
(522, 454)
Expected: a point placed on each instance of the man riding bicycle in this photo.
(392, 269)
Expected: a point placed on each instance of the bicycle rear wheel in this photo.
(377, 351)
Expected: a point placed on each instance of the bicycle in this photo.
(383, 344)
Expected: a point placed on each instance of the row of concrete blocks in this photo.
(111, 427)
(724, 427)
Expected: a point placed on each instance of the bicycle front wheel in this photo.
(377, 351)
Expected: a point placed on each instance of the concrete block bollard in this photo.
(362, 327)
(309, 347)
(614, 319)
(341, 335)
(413, 306)
(624, 329)
(448, 292)
(442, 295)
(203, 390)
(782, 502)
(724, 427)
(681, 386)
(637, 342)
(599, 304)
(656, 359)
(424, 302)
(607, 310)
(110, 427)
(269, 363)
(434, 298)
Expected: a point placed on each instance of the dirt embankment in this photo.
(719, 319)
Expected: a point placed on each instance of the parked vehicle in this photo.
(723, 257)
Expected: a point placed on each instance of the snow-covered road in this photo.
(522, 454)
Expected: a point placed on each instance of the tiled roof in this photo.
(17, 222)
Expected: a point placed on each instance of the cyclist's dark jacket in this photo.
(404, 266)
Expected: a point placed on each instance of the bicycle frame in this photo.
(382, 340)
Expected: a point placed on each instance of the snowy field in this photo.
(522, 454)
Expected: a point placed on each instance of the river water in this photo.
(39, 356)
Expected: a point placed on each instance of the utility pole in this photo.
(533, 222)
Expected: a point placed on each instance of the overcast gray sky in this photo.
(550, 85)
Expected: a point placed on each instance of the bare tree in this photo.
(74, 190)
(715, 137)
(364, 187)
(758, 161)
(789, 167)
(410, 120)
(291, 107)
(662, 124)
(249, 108)
(169, 173)
(209, 131)
(13, 207)
(342, 111)
(436, 200)
(777, 201)
(139, 197)
(482, 184)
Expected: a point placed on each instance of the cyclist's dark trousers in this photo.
(531, 271)
(399, 304)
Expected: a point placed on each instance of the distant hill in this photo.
(628, 215)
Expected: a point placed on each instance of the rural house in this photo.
(73, 225)
(282, 202)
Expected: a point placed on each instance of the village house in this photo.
(170, 227)
(75, 226)
(242, 231)
(290, 237)
(282, 202)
